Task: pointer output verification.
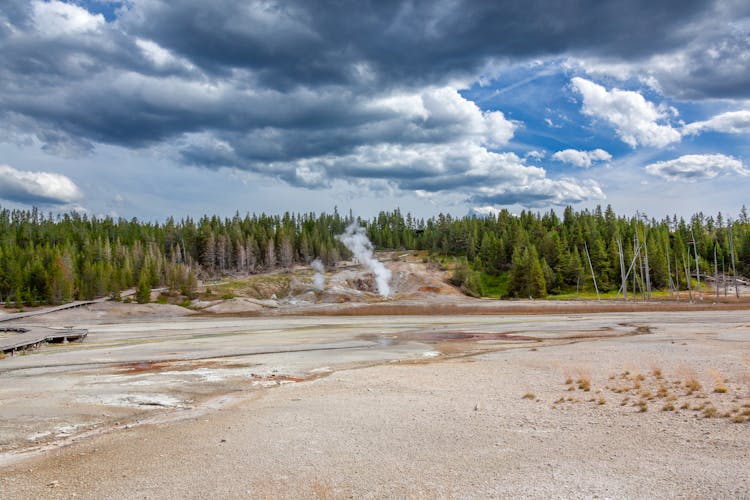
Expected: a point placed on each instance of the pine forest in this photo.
(53, 259)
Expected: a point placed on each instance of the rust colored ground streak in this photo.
(181, 365)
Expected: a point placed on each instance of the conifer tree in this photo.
(143, 290)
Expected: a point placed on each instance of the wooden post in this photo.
(586, 247)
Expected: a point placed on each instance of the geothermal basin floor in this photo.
(483, 406)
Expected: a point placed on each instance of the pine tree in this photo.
(537, 284)
(143, 291)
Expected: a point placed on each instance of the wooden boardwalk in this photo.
(47, 310)
(20, 338)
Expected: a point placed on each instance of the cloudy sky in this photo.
(149, 108)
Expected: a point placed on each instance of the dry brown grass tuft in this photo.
(640, 389)
(710, 412)
(529, 395)
(719, 382)
(584, 380)
(690, 380)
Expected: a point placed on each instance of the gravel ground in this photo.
(451, 428)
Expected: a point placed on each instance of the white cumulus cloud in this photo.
(582, 159)
(36, 187)
(444, 108)
(732, 122)
(633, 117)
(542, 192)
(697, 167)
(59, 18)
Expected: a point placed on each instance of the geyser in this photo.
(356, 241)
(319, 278)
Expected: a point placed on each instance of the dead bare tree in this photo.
(631, 268)
(686, 267)
(648, 271)
(734, 269)
(593, 276)
(623, 277)
(716, 274)
(677, 276)
(697, 265)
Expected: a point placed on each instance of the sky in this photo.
(151, 109)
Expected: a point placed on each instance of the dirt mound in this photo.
(347, 283)
(236, 305)
(411, 277)
(110, 311)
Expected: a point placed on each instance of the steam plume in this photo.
(319, 279)
(356, 241)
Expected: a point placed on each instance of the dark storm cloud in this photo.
(100, 82)
(323, 42)
(711, 63)
(312, 91)
(720, 68)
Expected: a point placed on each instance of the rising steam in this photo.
(356, 241)
(319, 279)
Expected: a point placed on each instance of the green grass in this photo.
(612, 294)
(494, 286)
(261, 286)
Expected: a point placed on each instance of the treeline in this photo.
(51, 259)
(54, 259)
(543, 254)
